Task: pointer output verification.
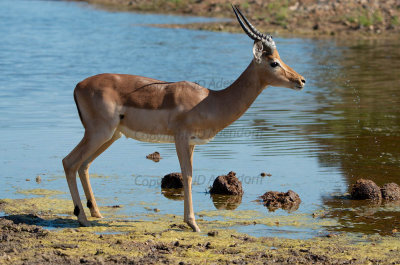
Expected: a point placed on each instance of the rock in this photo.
(391, 192)
(289, 200)
(172, 181)
(365, 189)
(212, 233)
(227, 184)
(38, 179)
(154, 156)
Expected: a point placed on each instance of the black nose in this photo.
(303, 81)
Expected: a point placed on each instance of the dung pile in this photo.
(227, 185)
(172, 181)
(365, 189)
(289, 200)
(391, 192)
(154, 156)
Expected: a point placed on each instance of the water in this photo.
(343, 126)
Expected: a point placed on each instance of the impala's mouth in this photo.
(298, 87)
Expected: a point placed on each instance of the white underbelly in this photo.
(159, 138)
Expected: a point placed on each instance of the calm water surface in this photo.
(345, 125)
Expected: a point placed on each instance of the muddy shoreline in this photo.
(331, 18)
(42, 234)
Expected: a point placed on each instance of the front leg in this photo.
(185, 155)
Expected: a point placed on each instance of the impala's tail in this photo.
(77, 106)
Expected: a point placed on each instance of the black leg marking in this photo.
(121, 116)
(89, 204)
(76, 210)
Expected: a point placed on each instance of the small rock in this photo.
(391, 192)
(365, 189)
(99, 251)
(154, 156)
(38, 179)
(212, 233)
(172, 181)
(227, 184)
(176, 244)
(27, 180)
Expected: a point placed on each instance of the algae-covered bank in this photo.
(41, 234)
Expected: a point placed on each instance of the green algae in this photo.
(117, 237)
(40, 192)
(139, 238)
(249, 217)
(42, 205)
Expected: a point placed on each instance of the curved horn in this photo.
(253, 33)
(248, 32)
(252, 28)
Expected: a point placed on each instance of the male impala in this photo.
(183, 113)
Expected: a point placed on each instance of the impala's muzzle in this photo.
(300, 83)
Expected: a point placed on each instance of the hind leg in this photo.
(91, 142)
(83, 172)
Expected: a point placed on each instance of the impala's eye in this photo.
(274, 64)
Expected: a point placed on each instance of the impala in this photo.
(184, 113)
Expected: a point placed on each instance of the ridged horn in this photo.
(252, 32)
(252, 28)
(245, 29)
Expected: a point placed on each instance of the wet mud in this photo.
(274, 200)
(227, 185)
(165, 239)
(173, 243)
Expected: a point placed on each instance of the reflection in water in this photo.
(361, 120)
(173, 194)
(365, 216)
(226, 202)
(359, 128)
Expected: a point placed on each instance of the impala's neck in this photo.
(234, 100)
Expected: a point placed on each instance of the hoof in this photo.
(194, 226)
(96, 215)
(84, 223)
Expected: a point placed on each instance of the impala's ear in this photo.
(258, 51)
